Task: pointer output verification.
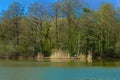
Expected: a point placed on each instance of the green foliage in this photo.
(6, 49)
(65, 25)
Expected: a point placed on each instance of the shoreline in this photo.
(71, 58)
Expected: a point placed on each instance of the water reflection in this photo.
(59, 70)
(59, 63)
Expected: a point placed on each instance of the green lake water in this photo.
(47, 70)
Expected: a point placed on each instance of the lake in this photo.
(71, 70)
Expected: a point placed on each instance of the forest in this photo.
(65, 25)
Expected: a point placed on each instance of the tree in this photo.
(13, 15)
(38, 12)
(107, 35)
(71, 10)
(66, 25)
(56, 11)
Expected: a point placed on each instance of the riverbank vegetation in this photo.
(65, 25)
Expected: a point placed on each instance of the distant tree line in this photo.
(64, 24)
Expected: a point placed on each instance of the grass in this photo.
(59, 54)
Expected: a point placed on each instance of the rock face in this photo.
(59, 54)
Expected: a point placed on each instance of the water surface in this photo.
(47, 70)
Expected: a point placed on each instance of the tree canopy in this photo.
(64, 24)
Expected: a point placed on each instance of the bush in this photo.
(6, 49)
